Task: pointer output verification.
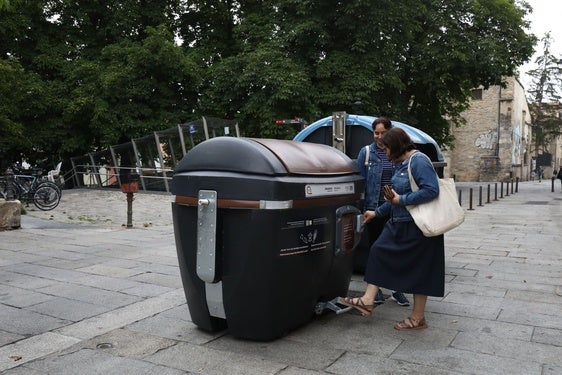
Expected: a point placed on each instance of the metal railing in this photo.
(153, 157)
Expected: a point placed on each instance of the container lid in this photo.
(265, 156)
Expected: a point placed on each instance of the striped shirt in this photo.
(386, 171)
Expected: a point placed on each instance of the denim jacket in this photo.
(372, 174)
(424, 176)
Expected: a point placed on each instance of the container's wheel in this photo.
(319, 309)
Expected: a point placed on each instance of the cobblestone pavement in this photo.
(108, 208)
(82, 294)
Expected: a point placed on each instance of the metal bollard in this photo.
(496, 191)
(130, 185)
(512, 186)
(517, 184)
(460, 197)
(552, 187)
(501, 189)
(507, 189)
(470, 200)
(488, 200)
(480, 197)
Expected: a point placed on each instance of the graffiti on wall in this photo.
(516, 145)
(487, 140)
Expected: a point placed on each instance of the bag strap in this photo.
(413, 184)
(367, 152)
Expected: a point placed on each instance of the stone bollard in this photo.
(10, 191)
(10, 214)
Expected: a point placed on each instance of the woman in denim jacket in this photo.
(377, 169)
(402, 258)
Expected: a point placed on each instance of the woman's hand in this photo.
(390, 195)
(368, 216)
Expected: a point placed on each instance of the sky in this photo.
(546, 16)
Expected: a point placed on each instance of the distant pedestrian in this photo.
(540, 173)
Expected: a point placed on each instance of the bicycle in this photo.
(30, 188)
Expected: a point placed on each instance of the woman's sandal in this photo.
(358, 304)
(411, 323)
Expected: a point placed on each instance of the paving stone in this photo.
(25, 322)
(50, 272)
(108, 283)
(146, 290)
(471, 290)
(517, 350)
(551, 370)
(203, 360)
(180, 312)
(462, 361)
(32, 348)
(121, 317)
(284, 350)
(476, 325)
(93, 362)
(96, 296)
(159, 279)
(533, 296)
(363, 364)
(174, 329)
(18, 297)
(548, 336)
(104, 270)
(9, 337)
(473, 300)
(126, 343)
(68, 309)
(299, 371)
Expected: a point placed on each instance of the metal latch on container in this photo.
(206, 235)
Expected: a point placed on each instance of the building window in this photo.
(476, 94)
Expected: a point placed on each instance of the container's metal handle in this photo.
(348, 229)
(206, 235)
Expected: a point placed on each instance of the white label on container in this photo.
(322, 190)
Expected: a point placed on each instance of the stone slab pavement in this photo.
(82, 294)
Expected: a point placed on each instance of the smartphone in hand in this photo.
(387, 191)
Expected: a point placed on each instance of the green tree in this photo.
(544, 96)
(413, 60)
(100, 72)
(95, 72)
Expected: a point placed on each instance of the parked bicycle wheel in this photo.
(51, 184)
(46, 197)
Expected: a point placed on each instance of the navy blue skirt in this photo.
(403, 259)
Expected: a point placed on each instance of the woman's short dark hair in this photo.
(398, 142)
(382, 120)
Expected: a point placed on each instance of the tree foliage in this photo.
(544, 96)
(82, 74)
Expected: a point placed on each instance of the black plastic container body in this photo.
(277, 248)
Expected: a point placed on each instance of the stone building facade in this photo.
(495, 142)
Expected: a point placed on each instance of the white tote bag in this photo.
(441, 214)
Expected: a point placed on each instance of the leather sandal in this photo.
(410, 324)
(358, 304)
